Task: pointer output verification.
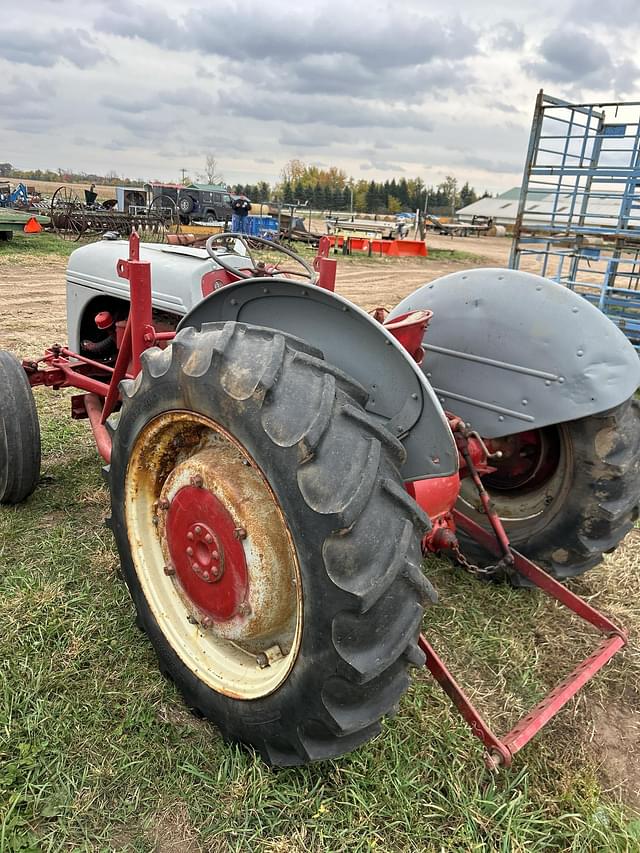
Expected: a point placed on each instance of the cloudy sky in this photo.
(146, 87)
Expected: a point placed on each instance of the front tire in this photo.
(585, 504)
(325, 476)
(19, 433)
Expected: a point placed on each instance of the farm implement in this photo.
(279, 463)
(74, 220)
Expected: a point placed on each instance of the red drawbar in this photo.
(206, 553)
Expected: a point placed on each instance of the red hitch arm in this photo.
(500, 750)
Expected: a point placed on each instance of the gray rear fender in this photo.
(399, 394)
(508, 351)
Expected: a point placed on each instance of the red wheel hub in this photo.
(528, 460)
(207, 555)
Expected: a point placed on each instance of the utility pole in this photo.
(184, 172)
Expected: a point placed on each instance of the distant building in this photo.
(503, 208)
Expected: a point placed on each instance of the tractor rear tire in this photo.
(332, 473)
(19, 433)
(595, 502)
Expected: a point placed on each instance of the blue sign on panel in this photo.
(614, 130)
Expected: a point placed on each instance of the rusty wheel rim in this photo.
(213, 555)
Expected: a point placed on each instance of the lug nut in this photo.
(190, 536)
(189, 552)
(197, 481)
(169, 570)
(244, 609)
(240, 533)
(198, 530)
(208, 539)
(207, 622)
(164, 504)
(262, 660)
(214, 555)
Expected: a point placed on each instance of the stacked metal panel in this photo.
(578, 219)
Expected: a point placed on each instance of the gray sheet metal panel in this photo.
(508, 351)
(354, 342)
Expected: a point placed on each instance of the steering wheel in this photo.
(308, 273)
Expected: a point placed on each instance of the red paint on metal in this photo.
(208, 557)
(527, 459)
(436, 496)
(93, 406)
(325, 266)
(392, 248)
(502, 750)
(465, 706)
(409, 330)
(140, 310)
(104, 320)
(216, 279)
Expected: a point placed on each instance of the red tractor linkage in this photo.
(100, 397)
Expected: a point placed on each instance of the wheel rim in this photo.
(213, 555)
(531, 480)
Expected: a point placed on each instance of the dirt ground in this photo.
(32, 292)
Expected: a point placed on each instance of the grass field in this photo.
(31, 247)
(97, 752)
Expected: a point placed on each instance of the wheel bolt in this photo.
(169, 570)
(214, 555)
(244, 609)
(163, 504)
(189, 552)
(208, 539)
(206, 622)
(197, 481)
(205, 575)
(198, 530)
(190, 535)
(240, 533)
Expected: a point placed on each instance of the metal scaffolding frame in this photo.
(578, 218)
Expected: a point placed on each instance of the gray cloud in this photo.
(18, 90)
(618, 13)
(294, 138)
(340, 112)
(488, 164)
(507, 35)
(147, 86)
(30, 47)
(125, 105)
(381, 166)
(570, 55)
(274, 32)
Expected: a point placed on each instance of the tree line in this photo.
(331, 189)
